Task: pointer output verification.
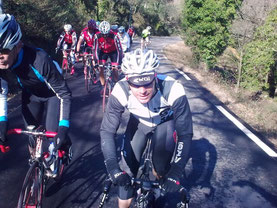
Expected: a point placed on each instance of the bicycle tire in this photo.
(106, 93)
(86, 77)
(90, 81)
(33, 187)
(60, 170)
(64, 67)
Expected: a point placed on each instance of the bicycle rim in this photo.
(32, 189)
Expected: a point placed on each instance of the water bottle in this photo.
(52, 157)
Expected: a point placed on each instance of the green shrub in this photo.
(207, 23)
(259, 60)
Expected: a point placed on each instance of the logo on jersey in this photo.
(179, 152)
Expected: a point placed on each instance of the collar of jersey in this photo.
(19, 59)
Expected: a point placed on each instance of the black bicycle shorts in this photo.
(134, 143)
(103, 57)
(41, 111)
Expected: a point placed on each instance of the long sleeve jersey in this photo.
(39, 75)
(169, 102)
(107, 44)
(68, 39)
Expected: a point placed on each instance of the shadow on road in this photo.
(265, 194)
(203, 159)
(88, 173)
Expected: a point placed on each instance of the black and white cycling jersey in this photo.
(39, 75)
(169, 102)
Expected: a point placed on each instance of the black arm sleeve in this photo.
(183, 126)
(57, 84)
(109, 126)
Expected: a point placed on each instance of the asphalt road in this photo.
(226, 168)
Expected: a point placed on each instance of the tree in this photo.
(206, 24)
(260, 60)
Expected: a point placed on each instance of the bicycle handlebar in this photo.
(48, 134)
(151, 184)
(155, 184)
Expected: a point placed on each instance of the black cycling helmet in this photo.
(92, 24)
(10, 33)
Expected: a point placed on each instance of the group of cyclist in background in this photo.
(100, 39)
(157, 104)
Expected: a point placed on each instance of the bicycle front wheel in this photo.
(89, 79)
(106, 93)
(33, 187)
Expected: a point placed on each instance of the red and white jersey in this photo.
(70, 38)
(107, 44)
(87, 36)
(131, 32)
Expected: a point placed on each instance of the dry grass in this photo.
(260, 114)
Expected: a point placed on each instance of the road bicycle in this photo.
(91, 73)
(145, 186)
(109, 82)
(145, 43)
(43, 166)
(67, 64)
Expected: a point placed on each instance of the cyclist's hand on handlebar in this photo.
(171, 182)
(61, 139)
(120, 178)
(3, 139)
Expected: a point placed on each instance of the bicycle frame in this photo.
(89, 71)
(109, 83)
(34, 183)
(146, 186)
(67, 62)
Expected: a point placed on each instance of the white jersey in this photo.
(158, 109)
(125, 41)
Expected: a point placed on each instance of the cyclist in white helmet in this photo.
(107, 45)
(158, 106)
(68, 40)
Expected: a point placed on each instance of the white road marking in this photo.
(248, 133)
(184, 75)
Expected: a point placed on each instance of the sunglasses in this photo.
(149, 85)
(5, 51)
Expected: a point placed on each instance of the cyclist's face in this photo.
(143, 93)
(8, 57)
(90, 30)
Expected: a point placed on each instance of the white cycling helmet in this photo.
(10, 33)
(67, 28)
(104, 27)
(139, 66)
(148, 27)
